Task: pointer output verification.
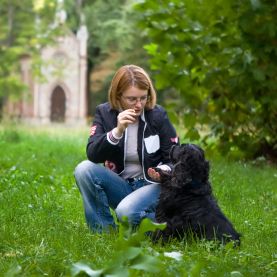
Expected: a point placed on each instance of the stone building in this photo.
(62, 94)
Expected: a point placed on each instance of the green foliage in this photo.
(25, 27)
(110, 25)
(218, 59)
(112, 35)
(130, 254)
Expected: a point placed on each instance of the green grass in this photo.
(42, 226)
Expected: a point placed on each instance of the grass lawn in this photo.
(43, 231)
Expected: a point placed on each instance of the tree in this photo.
(25, 27)
(112, 32)
(219, 57)
(109, 24)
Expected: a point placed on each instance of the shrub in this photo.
(217, 60)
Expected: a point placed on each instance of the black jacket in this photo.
(156, 135)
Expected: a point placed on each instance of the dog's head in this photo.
(189, 165)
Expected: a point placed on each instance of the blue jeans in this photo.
(103, 189)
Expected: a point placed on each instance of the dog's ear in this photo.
(192, 164)
(206, 171)
(174, 153)
(201, 188)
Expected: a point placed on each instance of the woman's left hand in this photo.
(110, 165)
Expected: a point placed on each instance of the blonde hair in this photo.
(131, 76)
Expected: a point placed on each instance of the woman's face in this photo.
(134, 98)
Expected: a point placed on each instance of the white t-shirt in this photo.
(133, 168)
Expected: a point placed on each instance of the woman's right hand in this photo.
(124, 119)
(154, 174)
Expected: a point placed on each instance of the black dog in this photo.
(186, 202)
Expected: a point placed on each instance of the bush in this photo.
(217, 59)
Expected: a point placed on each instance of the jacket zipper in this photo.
(125, 145)
(142, 151)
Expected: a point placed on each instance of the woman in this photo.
(131, 135)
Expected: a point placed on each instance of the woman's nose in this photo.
(138, 103)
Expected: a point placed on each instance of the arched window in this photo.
(58, 105)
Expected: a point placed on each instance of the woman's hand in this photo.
(110, 165)
(154, 175)
(124, 119)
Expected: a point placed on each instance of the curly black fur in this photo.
(186, 201)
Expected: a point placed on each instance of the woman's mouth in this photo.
(138, 112)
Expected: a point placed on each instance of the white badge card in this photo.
(152, 144)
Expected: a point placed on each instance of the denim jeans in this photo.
(102, 189)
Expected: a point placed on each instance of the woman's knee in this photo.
(82, 168)
(139, 204)
(133, 216)
(84, 172)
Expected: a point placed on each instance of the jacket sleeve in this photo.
(99, 149)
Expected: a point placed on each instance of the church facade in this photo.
(61, 94)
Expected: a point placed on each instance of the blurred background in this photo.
(213, 65)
